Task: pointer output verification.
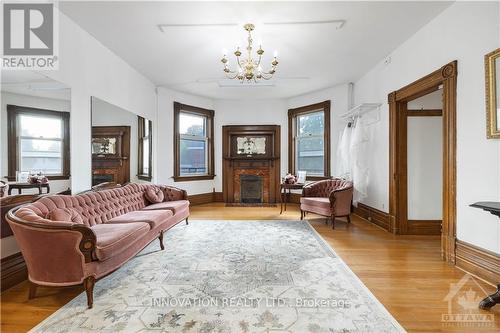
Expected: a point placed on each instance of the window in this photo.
(193, 144)
(309, 140)
(145, 149)
(38, 142)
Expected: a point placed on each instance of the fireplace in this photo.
(251, 164)
(102, 178)
(251, 189)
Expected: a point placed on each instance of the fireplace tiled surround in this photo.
(240, 173)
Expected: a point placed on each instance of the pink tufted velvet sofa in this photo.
(70, 240)
(330, 197)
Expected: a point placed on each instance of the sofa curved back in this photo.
(323, 188)
(89, 208)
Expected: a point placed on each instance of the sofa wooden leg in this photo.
(32, 292)
(88, 284)
(187, 220)
(348, 218)
(301, 214)
(333, 221)
(160, 238)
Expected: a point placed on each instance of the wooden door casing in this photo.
(446, 77)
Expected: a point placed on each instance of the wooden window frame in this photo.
(209, 114)
(13, 111)
(141, 121)
(292, 121)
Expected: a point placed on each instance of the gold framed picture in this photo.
(492, 70)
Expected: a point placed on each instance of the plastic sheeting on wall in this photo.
(352, 157)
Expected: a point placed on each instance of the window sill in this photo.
(144, 177)
(192, 178)
(53, 177)
(315, 178)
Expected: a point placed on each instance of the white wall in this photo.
(425, 168)
(275, 112)
(90, 69)
(8, 245)
(425, 160)
(105, 114)
(465, 32)
(433, 100)
(238, 112)
(339, 97)
(250, 112)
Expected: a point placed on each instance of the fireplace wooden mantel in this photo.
(263, 164)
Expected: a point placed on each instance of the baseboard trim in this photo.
(218, 197)
(13, 271)
(478, 262)
(424, 227)
(374, 216)
(204, 198)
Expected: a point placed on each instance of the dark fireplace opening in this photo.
(101, 178)
(251, 189)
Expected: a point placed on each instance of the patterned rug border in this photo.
(316, 235)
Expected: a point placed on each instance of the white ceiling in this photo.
(25, 82)
(312, 56)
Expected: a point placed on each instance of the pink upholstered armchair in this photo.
(330, 197)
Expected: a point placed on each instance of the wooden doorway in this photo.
(446, 77)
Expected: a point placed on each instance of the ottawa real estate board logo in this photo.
(30, 38)
(463, 299)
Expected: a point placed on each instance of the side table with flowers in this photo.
(37, 181)
(289, 183)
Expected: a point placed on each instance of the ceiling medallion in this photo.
(249, 69)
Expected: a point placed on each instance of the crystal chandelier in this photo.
(249, 69)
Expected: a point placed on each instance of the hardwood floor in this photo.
(404, 272)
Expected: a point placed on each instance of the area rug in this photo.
(230, 276)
